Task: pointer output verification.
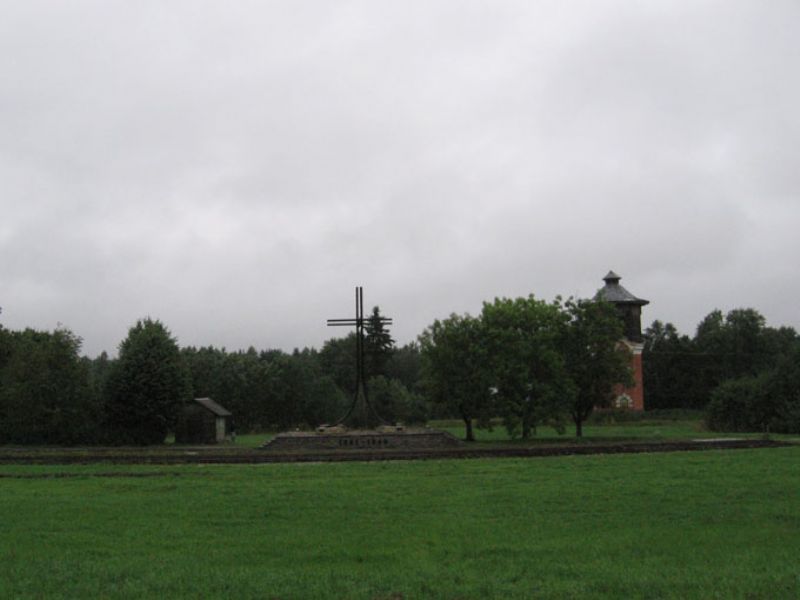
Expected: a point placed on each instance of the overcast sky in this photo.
(236, 168)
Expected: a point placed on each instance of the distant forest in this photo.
(522, 360)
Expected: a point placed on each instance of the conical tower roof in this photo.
(613, 292)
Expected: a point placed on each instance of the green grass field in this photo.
(654, 429)
(651, 429)
(715, 524)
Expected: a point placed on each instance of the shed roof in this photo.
(215, 408)
(613, 292)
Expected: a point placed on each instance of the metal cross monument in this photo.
(361, 412)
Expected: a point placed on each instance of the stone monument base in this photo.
(340, 439)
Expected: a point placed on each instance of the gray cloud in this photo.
(236, 169)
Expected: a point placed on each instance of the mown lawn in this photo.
(715, 524)
(653, 429)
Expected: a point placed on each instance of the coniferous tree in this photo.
(146, 386)
(378, 345)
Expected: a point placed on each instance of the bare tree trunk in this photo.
(470, 437)
(578, 427)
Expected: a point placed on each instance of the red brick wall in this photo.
(636, 392)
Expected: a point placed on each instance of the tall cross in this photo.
(361, 381)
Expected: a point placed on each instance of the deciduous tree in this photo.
(405, 365)
(525, 361)
(596, 361)
(45, 395)
(338, 360)
(454, 367)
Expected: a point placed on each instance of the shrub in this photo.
(785, 386)
(766, 402)
(394, 403)
(743, 404)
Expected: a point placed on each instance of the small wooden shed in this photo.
(203, 421)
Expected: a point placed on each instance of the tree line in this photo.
(49, 394)
(521, 358)
(525, 361)
(742, 373)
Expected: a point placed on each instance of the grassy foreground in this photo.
(710, 524)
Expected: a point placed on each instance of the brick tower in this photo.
(629, 308)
